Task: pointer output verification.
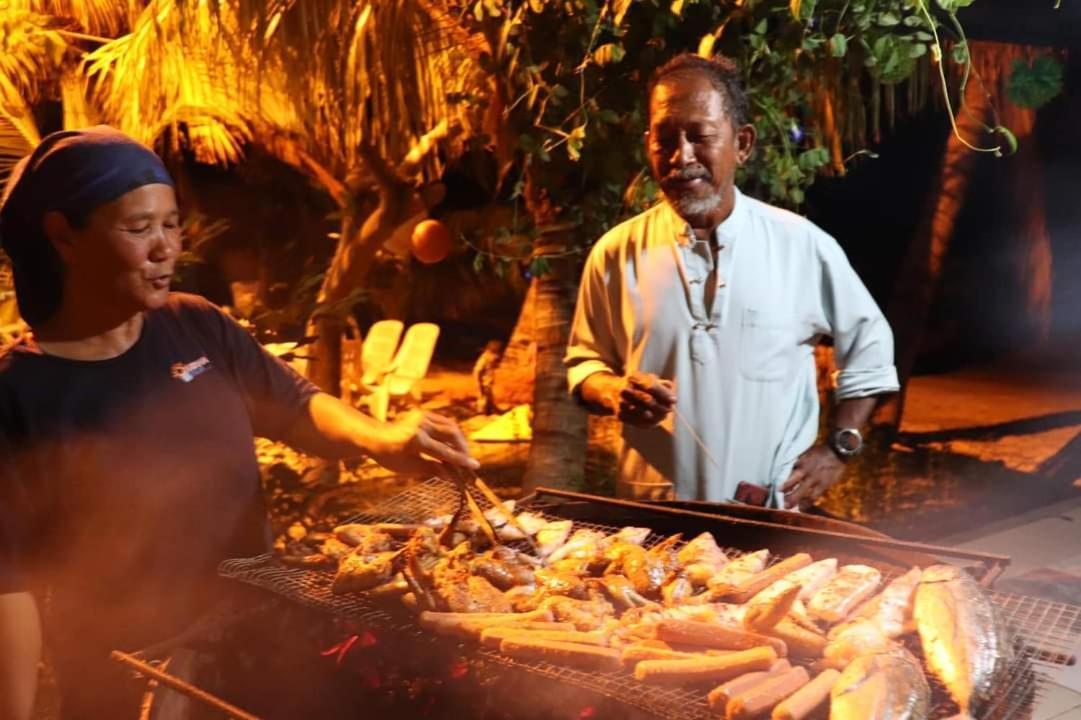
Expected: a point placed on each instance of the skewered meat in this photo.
(963, 641)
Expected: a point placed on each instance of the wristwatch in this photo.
(846, 442)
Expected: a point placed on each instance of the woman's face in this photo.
(125, 255)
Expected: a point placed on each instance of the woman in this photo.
(127, 422)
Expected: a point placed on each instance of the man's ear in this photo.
(745, 138)
(58, 231)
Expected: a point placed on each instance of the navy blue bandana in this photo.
(73, 171)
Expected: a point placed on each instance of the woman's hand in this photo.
(422, 443)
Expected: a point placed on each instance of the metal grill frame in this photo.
(1045, 632)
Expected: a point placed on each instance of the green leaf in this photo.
(813, 159)
(918, 50)
(888, 19)
(1033, 86)
(951, 6)
(838, 45)
(539, 266)
(959, 53)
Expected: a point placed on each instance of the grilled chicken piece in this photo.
(786, 592)
(632, 535)
(584, 544)
(702, 549)
(357, 572)
(622, 592)
(334, 548)
(891, 609)
(647, 571)
(677, 590)
(740, 570)
(849, 588)
(884, 686)
(584, 614)
(964, 641)
(364, 538)
(497, 514)
(855, 638)
(531, 523)
(552, 536)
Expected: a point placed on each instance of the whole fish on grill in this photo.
(964, 642)
(882, 686)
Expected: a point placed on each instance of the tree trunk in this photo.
(918, 281)
(514, 376)
(557, 455)
(560, 433)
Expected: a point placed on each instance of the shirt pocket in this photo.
(767, 345)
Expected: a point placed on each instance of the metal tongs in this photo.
(468, 479)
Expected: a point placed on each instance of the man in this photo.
(697, 320)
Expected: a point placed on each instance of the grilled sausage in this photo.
(588, 657)
(808, 699)
(693, 632)
(761, 697)
(715, 669)
(720, 695)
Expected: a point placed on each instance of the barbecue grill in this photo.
(1045, 632)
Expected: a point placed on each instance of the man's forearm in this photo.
(333, 430)
(20, 652)
(853, 413)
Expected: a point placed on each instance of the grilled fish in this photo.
(964, 642)
(883, 686)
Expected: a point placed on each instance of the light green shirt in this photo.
(743, 364)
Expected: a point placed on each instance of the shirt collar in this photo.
(726, 233)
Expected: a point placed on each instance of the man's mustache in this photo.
(695, 172)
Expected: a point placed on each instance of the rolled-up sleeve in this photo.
(862, 339)
(592, 347)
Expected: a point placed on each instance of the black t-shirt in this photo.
(124, 482)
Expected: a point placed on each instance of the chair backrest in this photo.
(416, 351)
(378, 351)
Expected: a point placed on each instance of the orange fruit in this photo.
(431, 241)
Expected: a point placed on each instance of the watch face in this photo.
(847, 442)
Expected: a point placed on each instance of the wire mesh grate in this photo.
(1045, 632)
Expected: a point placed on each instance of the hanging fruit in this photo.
(431, 241)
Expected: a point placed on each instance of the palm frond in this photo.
(32, 52)
(107, 18)
(184, 73)
(18, 138)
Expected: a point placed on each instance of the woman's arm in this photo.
(417, 443)
(20, 652)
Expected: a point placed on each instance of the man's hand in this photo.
(423, 443)
(814, 472)
(641, 399)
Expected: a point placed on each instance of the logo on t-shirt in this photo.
(189, 371)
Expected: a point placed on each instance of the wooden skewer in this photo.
(511, 519)
(481, 520)
(180, 686)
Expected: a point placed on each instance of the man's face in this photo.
(694, 148)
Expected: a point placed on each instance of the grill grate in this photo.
(1046, 632)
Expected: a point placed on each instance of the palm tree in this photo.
(356, 95)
